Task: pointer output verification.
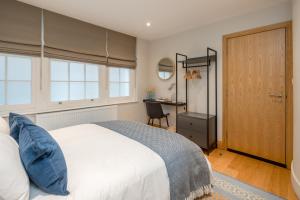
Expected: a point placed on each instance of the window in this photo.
(119, 82)
(15, 80)
(74, 81)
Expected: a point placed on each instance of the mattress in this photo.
(103, 164)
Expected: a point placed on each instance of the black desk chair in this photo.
(155, 111)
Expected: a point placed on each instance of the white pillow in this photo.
(4, 127)
(14, 182)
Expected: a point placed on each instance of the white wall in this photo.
(296, 34)
(137, 111)
(194, 43)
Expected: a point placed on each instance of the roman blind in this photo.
(20, 28)
(121, 50)
(71, 39)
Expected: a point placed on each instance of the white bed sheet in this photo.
(105, 165)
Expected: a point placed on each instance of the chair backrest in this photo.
(154, 110)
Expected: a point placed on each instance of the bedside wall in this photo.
(194, 43)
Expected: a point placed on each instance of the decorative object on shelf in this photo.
(196, 74)
(198, 127)
(192, 74)
(151, 93)
(165, 69)
(188, 75)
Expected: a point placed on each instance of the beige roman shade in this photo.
(121, 50)
(20, 28)
(71, 39)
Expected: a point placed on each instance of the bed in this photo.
(128, 160)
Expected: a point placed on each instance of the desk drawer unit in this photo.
(194, 127)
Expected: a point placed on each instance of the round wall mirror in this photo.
(165, 68)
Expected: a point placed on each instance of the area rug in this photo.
(226, 187)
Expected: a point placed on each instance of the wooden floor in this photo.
(265, 176)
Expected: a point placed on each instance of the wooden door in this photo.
(256, 94)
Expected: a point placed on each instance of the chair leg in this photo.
(159, 122)
(152, 121)
(149, 121)
(167, 120)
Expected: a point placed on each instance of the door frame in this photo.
(288, 83)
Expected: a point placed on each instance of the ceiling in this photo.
(167, 17)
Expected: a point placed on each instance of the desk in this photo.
(170, 103)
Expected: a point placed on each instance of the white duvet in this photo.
(104, 165)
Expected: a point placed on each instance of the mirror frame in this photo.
(157, 69)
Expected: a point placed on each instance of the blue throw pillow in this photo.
(42, 157)
(16, 122)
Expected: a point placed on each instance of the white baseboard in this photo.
(295, 181)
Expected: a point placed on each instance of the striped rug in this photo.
(229, 188)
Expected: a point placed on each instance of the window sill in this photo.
(64, 107)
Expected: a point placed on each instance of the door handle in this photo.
(276, 95)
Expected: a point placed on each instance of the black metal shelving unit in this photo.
(204, 62)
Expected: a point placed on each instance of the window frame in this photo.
(69, 104)
(132, 88)
(35, 85)
(41, 91)
(69, 81)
